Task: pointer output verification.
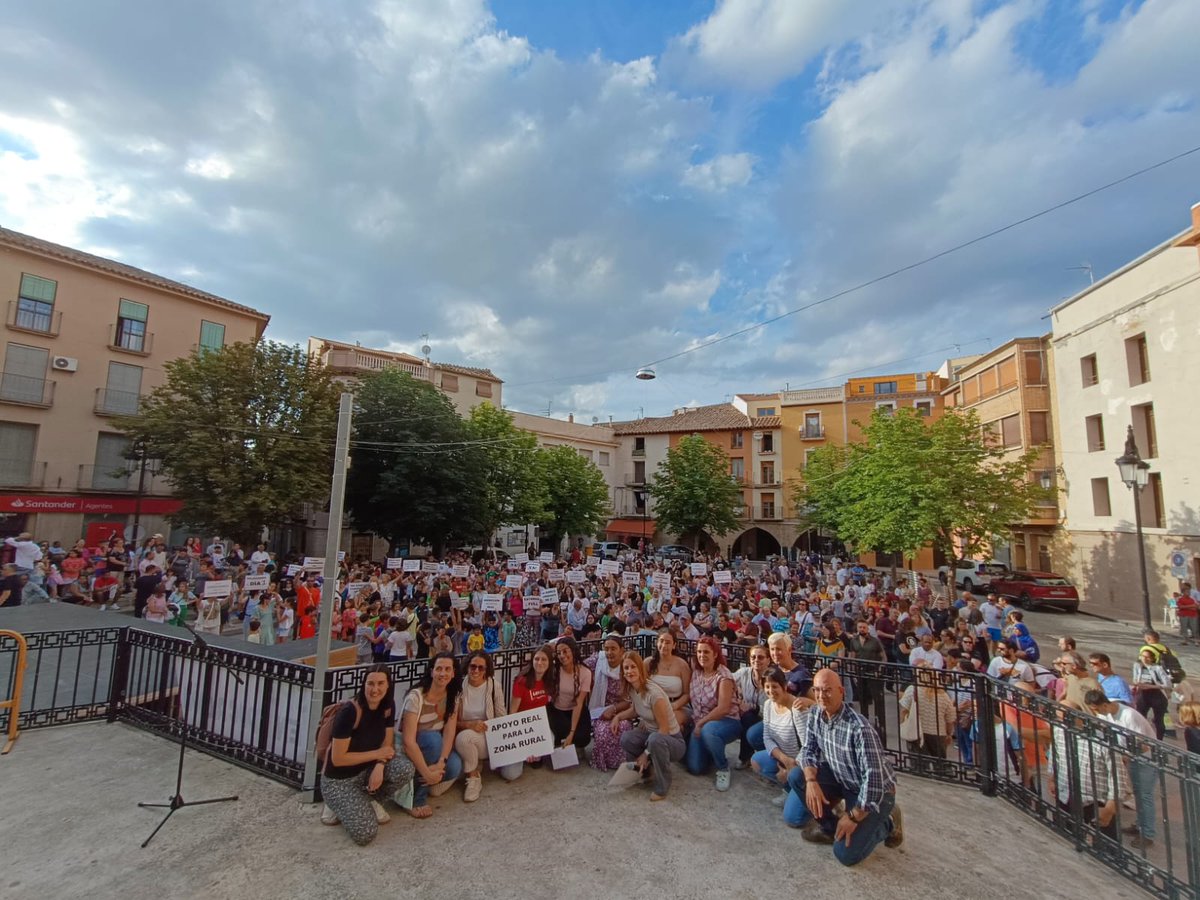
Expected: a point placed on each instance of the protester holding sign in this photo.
(482, 699)
(429, 726)
(530, 692)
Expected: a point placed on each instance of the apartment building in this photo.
(85, 339)
(1010, 390)
(1124, 354)
(466, 386)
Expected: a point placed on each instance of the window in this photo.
(1035, 367)
(1144, 432)
(862, 388)
(924, 408)
(812, 426)
(970, 391)
(1154, 512)
(1010, 431)
(212, 336)
(35, 304)
(17, 443)
(604, 457)
(735, 440)
(1039, 428)
(449, 383)
(768, 506)
(767, 471)
(765, 411)
(1007, 370)
(639, 446)
(1094, 426)
(1101, 506)
(737, 470)
(1087, 368)
(131, 326)
(768, 443)
(989, 381)
(885, 387)
(586, 454)
(639, 472)
(1137, 357)
(24, 379)
(483, 389)
(887, 406)
(123, 393)
(111, 471)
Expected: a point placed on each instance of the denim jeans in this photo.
(767, 765)
(1144, 778)
(752, 734)
(707, 746)
(430, 743)
(870, 831)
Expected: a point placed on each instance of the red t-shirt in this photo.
(530, 698)
(307, 628)
(1185, 606)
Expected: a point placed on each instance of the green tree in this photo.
(514, 490)
(577, 499)
(244, 434)
(693, 492)
(415, 473)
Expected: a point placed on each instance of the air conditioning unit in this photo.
(65, 363)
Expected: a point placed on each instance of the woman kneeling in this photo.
(656, 741)
(482, 699)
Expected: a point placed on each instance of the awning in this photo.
(630, 526)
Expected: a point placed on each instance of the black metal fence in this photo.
(1062, 767)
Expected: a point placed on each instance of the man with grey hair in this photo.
(1142, 771)
(1074, 681)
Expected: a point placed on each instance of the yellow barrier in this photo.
(13, 703)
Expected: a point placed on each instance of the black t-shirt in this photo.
(12, 584)
(369, 735)
(726, 635)
(145, 585)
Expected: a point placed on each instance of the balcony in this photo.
(633, 479)
(767, 480)
(125, 342)
(815, 395)
(738, 477)
(107, 478)
(33, 321)
(117, 403)
(639, 452)
(766, 513)
(812, 433)
(24, 390)
(22, 473)
(356, 361)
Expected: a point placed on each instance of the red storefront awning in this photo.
(68, 503)
(631, 526)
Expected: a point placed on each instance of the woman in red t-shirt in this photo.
(529, 692)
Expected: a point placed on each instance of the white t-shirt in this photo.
(1130, 718)
(286, 619)
(398, 643)
(1018, 670)
(931, 657)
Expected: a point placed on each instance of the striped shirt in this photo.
(850, 746)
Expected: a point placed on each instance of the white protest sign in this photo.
(412, 565)
(575, 576)
(314, 562)
(548, 595)
(555, 575)
(515, 738)
(661, 580)
(395, 562)
(492, 602)
(722, 576)
(609, 567)
(341, 555)
(256, 582)
(459, 601)
(513, 565)
(534, 566)
(699, 569)
(513, 581)
(461, 571)
(546, 557)
(295, 569)
(564, 757)
(592, 561)
(218, 588)
(522, 558)
(630, 578)
(427, 566)
(355, 586)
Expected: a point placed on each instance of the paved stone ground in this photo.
(71, 828)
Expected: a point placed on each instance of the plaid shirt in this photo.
(850, 746)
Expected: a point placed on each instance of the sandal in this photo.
(421, 812)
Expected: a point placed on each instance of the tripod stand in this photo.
(177, 801)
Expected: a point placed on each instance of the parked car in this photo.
(674, 553)
(479, 554)
(972, 573)
(1034, 590)
(610, 549)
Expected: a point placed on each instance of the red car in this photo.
(1034, 590)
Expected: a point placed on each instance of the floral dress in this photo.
(606, 753)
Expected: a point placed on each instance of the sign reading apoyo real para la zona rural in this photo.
(517, 737)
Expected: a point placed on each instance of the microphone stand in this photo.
(177, 801)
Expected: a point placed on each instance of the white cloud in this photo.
(720, 173)
(214, 166)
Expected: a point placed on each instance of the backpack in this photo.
(1171, 663)
(325, 728)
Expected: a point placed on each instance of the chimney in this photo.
(571, 418)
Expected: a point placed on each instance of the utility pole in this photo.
(337, 498)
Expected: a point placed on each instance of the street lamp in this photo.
(1135, 472)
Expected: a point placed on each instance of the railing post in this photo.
(985, 747)
(118, 676)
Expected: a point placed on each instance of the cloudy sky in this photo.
(564, 191)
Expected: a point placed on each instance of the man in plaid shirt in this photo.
(843, 759)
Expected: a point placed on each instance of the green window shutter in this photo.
(34, 287)
(130, 309)
(212, 336)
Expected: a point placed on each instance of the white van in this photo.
(970, 574)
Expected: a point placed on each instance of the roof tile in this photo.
(716, 417)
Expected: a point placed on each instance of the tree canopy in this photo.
(911, 482)
(244, 434)
(693, 490)
(577, 499)
(512, 484)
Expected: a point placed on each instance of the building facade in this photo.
(1124, 355)
(85, 339)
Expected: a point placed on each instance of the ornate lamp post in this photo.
(1135, 472)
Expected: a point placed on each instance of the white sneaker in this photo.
(381, 814)
(474, 789)
(329, 817)
(780, 800)
(116, 607)
(441, 787)
(723, 780)
(103, 607)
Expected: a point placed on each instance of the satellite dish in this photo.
(425, 348)
(595, 419)
(646, 373)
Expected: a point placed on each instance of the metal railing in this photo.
(11, 703)
(117, 403)
(35, 321)
(130, 342)
(68, 676)
(106, 478)
(26, 390)
(22, 473)
(812, 432)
